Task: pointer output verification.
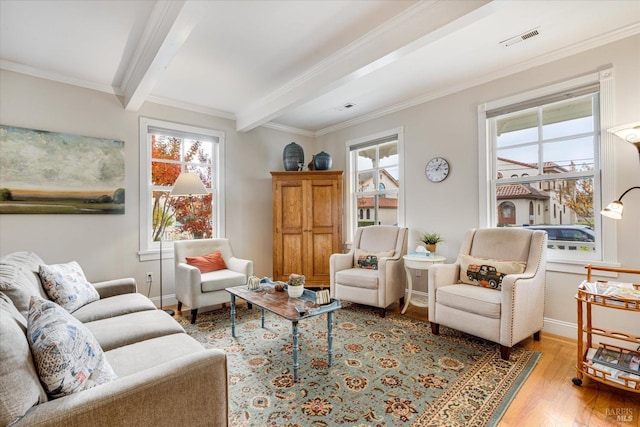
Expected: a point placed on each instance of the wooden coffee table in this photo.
(279, 303)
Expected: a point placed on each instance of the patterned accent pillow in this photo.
(487, 273)
(67, 285)
(207, 263)
(68, 358)
(369, 260)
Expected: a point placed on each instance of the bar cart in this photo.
(608, 363)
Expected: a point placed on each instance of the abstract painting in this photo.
(45, 172)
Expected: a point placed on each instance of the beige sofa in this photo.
(164, 376)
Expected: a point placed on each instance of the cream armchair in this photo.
(370, 283)
(505, 316)
(197, 289)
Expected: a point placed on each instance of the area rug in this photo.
(386, 371)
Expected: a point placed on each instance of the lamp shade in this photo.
(188, 184)
(629, 132)
(613, 210)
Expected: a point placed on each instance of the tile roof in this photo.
(519, 191)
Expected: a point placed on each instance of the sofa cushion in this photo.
(131, 328)
(143, 355)
(67, 285)
(358, 278)
(116, 305)
(473, 299)
(68, 358)
(218, 280)
(25, 259)
(207, 263)
(487, 273)
(19, 283)
(20, 388)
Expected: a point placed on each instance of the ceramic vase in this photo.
(322, 161)
(293, 157)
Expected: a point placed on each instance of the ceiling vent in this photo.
(346, 106)
(517, 39)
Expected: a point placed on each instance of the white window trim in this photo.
(150, 250)
(351, 211)
(607, 156)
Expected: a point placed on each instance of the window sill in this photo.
(578, 267)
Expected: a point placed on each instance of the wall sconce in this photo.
(629, 132)
(615, 208)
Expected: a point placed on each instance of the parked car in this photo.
(568, 233)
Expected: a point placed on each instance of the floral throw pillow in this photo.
(67, 356)
(66, 285)
(487, 273)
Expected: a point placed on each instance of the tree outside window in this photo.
(180, 217)
(166, 150)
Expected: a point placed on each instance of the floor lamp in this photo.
(188, 184)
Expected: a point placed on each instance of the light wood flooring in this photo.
(549, 398)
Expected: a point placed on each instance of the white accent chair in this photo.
(198, 290)
(374, 287)
(505, 316)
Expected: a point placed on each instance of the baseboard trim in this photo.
(167, 300)
(560, 328)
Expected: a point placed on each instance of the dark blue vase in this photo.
(322, 161)
(293, 157)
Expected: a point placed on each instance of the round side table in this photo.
(418, 263)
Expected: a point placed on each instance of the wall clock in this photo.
(437, 169)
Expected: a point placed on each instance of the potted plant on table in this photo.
(295, 287)
(430, 241)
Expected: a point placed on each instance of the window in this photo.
(550, 144)
(166, 150)
(375, 180)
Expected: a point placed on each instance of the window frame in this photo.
(351, 202)
(604, 178)
(149, 249)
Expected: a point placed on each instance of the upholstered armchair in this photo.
(506, 305)
(197, 289)
(372, 273)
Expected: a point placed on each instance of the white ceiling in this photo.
(293, 64)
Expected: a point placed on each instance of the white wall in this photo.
(447, 127)
(106, 246)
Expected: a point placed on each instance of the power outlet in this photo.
(149, 277)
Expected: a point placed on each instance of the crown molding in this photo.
(57, 77)
(191, 107)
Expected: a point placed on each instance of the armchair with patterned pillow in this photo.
(495, 289)
(372, 272)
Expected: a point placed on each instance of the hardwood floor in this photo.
(549, 398)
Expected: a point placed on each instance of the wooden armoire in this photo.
(307, 224)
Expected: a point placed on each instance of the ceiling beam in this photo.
(405, 33)
(168, 27)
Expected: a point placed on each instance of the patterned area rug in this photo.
(386, 371)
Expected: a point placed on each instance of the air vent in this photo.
(517, 39)
(346, 106)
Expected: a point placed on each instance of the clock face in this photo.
(437, 169)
